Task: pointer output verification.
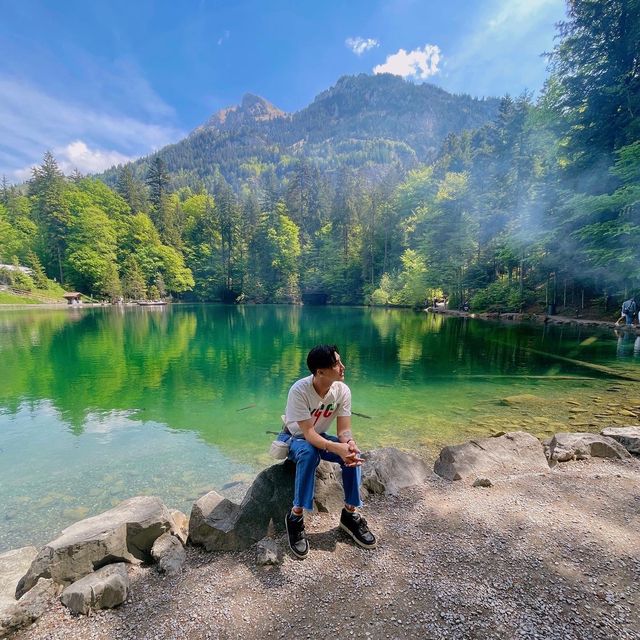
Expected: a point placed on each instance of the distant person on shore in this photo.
(312, 405)
(629, 309)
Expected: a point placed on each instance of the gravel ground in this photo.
(540, 556)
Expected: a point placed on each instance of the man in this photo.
(312, 405)
(629, 310)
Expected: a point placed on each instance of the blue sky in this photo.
(103, 82)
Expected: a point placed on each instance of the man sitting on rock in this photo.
(312, 404)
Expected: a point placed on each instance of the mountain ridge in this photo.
(360, 122)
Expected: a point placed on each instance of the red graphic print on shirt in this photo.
(322, 410)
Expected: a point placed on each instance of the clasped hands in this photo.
(349, 453)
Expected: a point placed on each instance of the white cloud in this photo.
(225, 36)
(85, 137)
(419, 63)
(359, 45)
(77, 155)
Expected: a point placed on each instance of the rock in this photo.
(513, 453)
(523, 398)
(329, 493)
(125, 533)
(267, 553)
(103, 589)
(387, 471)
(29, 608)
(580, 446)
(169, 553)
(628, 437)
(13, 565)
(482, 482)
(221, 525)
(212, 523)
(182, 525)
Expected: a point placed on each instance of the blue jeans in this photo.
(307, 459)
(628, 317)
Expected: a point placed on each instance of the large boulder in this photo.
(387, 471)
(103, 589)
(628, 437)
(221, 525)
(513, 453)
(125, 533)
(580, 446)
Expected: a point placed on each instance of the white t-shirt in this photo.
(304, 402)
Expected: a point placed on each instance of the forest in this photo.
(539, 204)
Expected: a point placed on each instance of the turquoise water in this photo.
(100, 404)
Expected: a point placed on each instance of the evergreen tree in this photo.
(596, 73)
(47, 188)
(39, 276)
(133, 284)
(131, 190)
(4, 191)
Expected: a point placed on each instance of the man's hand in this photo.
(348, 451)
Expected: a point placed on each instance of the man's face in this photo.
(336, 372)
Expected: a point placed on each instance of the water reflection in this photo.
(194, 367)
(132, 400)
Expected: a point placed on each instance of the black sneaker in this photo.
(295, 531)
(356, 526)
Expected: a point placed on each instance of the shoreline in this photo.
(509, 317)
(535, 318)
(454, 561)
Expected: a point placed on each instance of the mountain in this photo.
(253, 109)
(363, 122)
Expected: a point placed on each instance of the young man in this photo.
(312, 405)
(629, 310)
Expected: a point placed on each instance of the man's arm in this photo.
(344, 433)
(342, 449)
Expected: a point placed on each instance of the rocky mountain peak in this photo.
(252, 109)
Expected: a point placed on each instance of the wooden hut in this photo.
(73, 297)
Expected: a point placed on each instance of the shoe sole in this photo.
(358, 542)
(300, 556)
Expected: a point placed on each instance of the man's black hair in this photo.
(322, 356)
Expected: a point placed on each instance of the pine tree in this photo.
(158, 180)
(39, 276)
(47, 187)
(131, 190)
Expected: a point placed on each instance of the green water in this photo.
(100, 404)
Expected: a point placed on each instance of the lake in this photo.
(100, 404)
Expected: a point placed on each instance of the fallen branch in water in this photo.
(587, 365)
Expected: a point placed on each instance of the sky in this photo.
(104, 82)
